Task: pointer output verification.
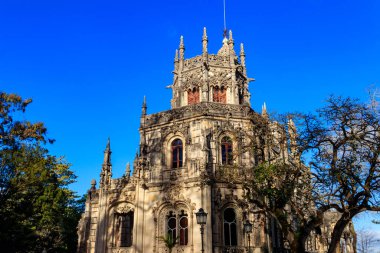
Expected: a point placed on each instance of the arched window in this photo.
(193, 96)
(124, 229)
(219, 95)
(179, 224)
(227, 156)
(177, 153)
(229, 226)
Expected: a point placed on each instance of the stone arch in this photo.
(161, 211)
(239, 221)
(120, 208)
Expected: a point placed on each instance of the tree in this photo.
(366, 241)
(341, 144)
(35, 203)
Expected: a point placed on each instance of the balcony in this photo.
(229, 173)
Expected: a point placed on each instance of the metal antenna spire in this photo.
(224, 15)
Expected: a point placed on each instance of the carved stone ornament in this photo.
(123, 208)
(181, 128)
(191, 80)
(129, 196)
(220, 78)
(199, 109)
(172, 192)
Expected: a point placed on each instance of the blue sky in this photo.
(88, 64)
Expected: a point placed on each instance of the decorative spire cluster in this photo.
(106, 173)
(201, 78)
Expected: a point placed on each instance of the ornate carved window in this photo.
(193, 96)
(177, 153)
(178, 223)
(229, 227)
(124, 229)
(227, 155)
(219, 95)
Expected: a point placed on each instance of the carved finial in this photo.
(264, 110)
(93, 184)
(181, 49)
(242, 49)
(242, 57)
(144, 107)
(181, 44)
(204, 34)
(107, 153)
(176, 56)
(230, 35)
(106, 174)
(292, 127)
(128, 170)
(204, 43)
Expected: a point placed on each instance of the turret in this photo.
(208, 77)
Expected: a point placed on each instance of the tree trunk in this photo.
(297, 243)
(337, 233)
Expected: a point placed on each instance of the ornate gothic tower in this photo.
(195, 155)
(220, 77)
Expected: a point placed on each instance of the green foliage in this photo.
(341, 142)
(37, 210)
(169, 241)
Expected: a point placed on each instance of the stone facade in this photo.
(193, 156)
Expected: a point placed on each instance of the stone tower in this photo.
(195, 155)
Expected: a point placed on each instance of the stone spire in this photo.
(242, 57)
(107, 153)
(181, 49)
(142, 127)
(106, 174)
(144, 107)
(231, 49)
(204, 41)
(224, 50)
(128, 171)
(230, 40)
(264, 112)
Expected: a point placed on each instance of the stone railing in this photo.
(229, 173)
(200, 109)
(174, 174)
(213, 59)
(121, 250)
(177, 249)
